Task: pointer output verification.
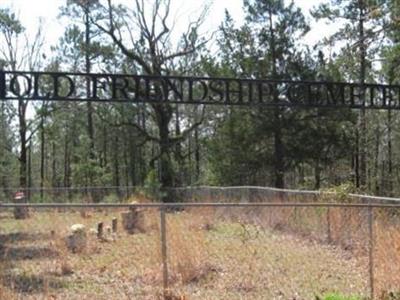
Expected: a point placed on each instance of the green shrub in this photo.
(152, 187)
(111, 198)
(335, 296)
(338, 194)
(37, 198)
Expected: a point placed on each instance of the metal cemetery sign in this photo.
(43, 86)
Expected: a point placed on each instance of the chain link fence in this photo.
(109, 194)
(213, 243)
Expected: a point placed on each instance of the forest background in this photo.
(60, 144)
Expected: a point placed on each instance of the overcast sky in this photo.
(29, 12)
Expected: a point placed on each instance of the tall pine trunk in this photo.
(163, 113)
(197, 153)
(23, 139)
(89, 107)
(389, 154)
(42, 155)
(362, 114)
(279, 169)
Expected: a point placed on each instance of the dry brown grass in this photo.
(188, 261)
(348, 228)
(138, 198)
(171, 295)
(6, 293)
(205, 218)
(187, 255)
(212, 254)
(387, 257)
(343, 227)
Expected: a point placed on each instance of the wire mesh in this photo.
(266, 253)
(42, 256)
(214, 243)
(111, 194)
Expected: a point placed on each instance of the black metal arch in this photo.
(122, 88)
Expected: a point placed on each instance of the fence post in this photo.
(328, 225)
(164, 249)
(371, 250)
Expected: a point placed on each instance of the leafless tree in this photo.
(144, 36)
(19, 52)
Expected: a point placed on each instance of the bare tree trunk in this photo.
(390, 162)
(189, 174)
(133, 153)
(23, 140)
(178, 149)
(29, 171)
(362, 116)
(301, 181)
(278, 151)
(163, 116)
(54, 164)
(317, 175)
(279, 168)
(3, 175)
(104, 160)
(141, 157)
(376, 167)
(42, 155)
(126, 161)
(357, 159)
(116, 161)
(197, 153)
(22, 212)
(89, 106)
(67, 163)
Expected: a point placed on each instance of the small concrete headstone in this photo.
(133, 221)
(20, 212)
(93, 231)
(100, 231)
(77, 239)
(114, 225)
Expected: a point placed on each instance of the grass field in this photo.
(209, 257)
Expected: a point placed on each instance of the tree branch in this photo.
(118, 41)
(186, 132)
(141, 131)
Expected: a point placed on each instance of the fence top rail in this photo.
(188, 188)
(197, 204)
(71, 188)
(289, 191)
